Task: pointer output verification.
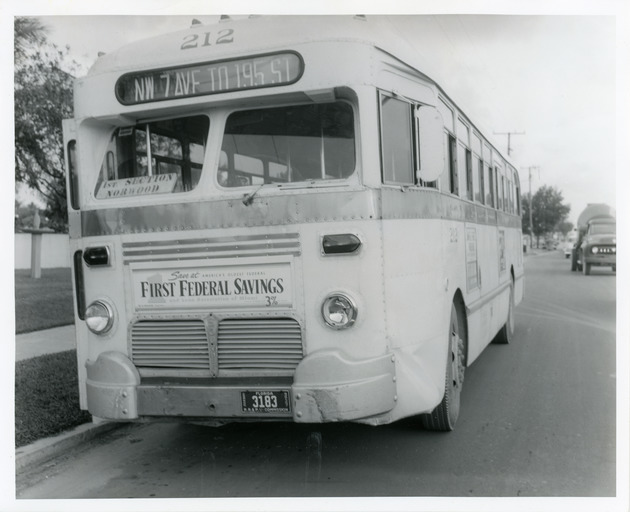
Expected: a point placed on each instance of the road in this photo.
(538, 419)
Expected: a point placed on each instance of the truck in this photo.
(596, 244)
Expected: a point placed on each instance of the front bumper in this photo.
(601, 260)
(327, 386)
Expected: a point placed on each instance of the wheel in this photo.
(614, 268)
(573, 261)
(444, 416)
(504, 336)
(586, 268)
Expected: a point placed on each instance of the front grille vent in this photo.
(170, 344)
(246, 344)
(259, 344)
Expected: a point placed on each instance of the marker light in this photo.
(96, 256)
(339, 311)
(340, 244)
(99, 317)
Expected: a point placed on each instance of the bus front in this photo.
(224, 231)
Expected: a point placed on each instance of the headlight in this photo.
(99, 317)
(339, 311)
(595, 250)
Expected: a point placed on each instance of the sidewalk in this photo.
(49, 341)
(39, 343)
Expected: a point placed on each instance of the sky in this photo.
(548, 79)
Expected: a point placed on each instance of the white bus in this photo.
(283, 219)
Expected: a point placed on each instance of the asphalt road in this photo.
(538, 419)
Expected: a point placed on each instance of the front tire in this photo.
(586, 268)
(444, 416)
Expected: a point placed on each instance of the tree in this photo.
(564, 227)
(24, 215)
(548, 211)
(43, 98)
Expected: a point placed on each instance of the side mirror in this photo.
(431, 145)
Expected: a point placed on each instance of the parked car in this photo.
(567, 247)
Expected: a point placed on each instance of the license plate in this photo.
(265, 402)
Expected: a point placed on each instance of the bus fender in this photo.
(331, 386)
(111, 387)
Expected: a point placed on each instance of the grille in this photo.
(170, 344)
(252, 344)
(259, 344)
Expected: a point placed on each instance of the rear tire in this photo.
(444, 416)
(504, 336)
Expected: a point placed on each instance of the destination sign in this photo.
(140, 185)
(209, 78)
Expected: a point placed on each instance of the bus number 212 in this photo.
(207, 39)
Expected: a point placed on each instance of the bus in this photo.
(283, 219)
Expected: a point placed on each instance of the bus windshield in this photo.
(287, 144)
(154, 157)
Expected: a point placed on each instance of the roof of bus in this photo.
(259, 34)
(255, 34)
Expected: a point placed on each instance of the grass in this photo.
(46, 387)
(45, 302)
(46, 397)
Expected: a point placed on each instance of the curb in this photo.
(45, 449)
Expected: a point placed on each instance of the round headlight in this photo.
(99, 317)
(595, 250)
(339, 311)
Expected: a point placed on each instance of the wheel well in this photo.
(458, 300)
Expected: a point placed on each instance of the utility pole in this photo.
(509, 137)
(531, 223)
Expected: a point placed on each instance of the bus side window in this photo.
(469, 175)
(396, 141)
(452, 162)
(491, 200)
(477, 169)
(480, 176)
(464, 163)
(74, 174)
(497, 198)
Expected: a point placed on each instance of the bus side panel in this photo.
(416, 295)
(75, 246)
(484, 319)
(358, 275)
